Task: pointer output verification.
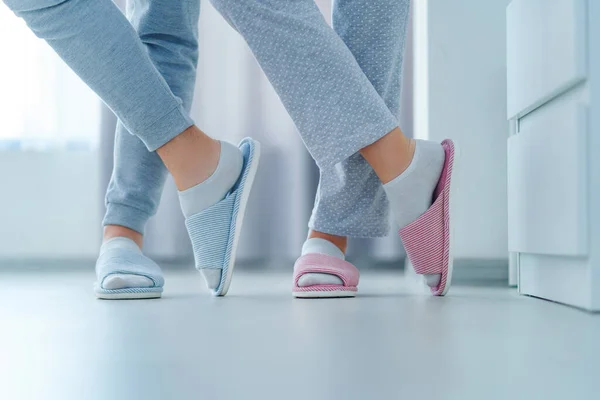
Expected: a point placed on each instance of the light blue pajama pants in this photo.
(169, 30)
(147, 81)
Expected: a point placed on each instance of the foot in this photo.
(122, 281)
(205, 171)
(429, 240)
(411, 192)
(190, 157)
(209, 192)
(124, 272)
(409, 170)
(323, 263)
(323, 243)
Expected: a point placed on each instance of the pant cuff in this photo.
(373, 230)
(127, 216)
(165, 128)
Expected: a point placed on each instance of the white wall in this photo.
(460, 93)
(50, 205)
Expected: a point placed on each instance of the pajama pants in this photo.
(341, 89)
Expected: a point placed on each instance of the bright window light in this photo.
(43, 104)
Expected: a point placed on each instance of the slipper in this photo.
(115, 261)
(429, 240)
(215, 232)
(322, 263)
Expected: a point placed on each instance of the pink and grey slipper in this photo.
(325, 264)
(429, 239)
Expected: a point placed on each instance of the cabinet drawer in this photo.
(546, 51)
(547, 192)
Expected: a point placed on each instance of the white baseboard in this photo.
(477, 271)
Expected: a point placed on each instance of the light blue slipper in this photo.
(125, 261)
(215, 232)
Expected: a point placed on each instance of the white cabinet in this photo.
(547, 199)
(545, 51)
(553, 91)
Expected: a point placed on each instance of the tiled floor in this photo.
(393, 342)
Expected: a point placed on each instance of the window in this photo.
(43, 104)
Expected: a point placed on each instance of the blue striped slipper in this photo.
(215, 232)
(117, 261)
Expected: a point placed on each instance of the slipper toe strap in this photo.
(325, 264)
(209, 233)
(115, 261)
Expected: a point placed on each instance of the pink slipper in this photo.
(428, 240)
(321, 263)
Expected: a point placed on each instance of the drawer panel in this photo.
(546, 51)
(547, 181)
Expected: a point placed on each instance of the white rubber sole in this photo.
(454, 183)
(253, 168)
(129, 296)
(323, 295)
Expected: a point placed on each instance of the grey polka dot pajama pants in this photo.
(341, 87)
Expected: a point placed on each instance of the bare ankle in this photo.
(340, 241)
(390, 155)
(113, 231)
(191, 157)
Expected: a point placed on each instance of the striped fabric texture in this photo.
(212, 231)
(322, 263)
(427, 239)
(209, 232)
(136, 290)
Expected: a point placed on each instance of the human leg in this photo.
(350, 199)
(100, 45)
(169, 31)
(336, 109)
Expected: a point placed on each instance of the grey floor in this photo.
(393, 342)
